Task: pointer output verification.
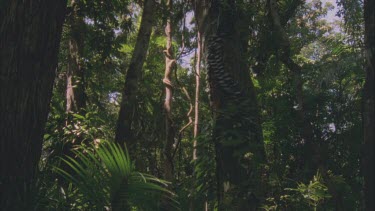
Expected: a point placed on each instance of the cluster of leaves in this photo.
(105, 177)
(313, 193)
(303, 197)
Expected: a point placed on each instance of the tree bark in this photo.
(29, 39)
(124, 123)
(368, 106)
(197, 90)
(75, 77)
(237, 132)
(170, 63)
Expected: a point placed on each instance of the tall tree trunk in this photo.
(197, 90)
(29, 39)
(133, 75)
(75, 95)
(313, 158)
(196, 112)
(170, 63)
(237, 132)
(75, 78)
(368, 108)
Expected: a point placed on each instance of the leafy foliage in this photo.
(105, 177)
(332, 73)
(314, 193)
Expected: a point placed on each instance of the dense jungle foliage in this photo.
(187, 105)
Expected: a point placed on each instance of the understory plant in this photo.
(106, 179)
(314, 193)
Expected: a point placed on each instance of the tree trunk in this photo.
(237, 132)
(197, 90)
(312, 156)
(170, 63)
(29, 39)
(196, 113)
(75, 78)
(133, 75)
(368, 107)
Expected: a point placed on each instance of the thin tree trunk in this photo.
(197, 90)
(368, 107)
(313, 158)
(29, 39)
(75, 95)
(237, 133)
(196, 113)
(170, 63)
(133, 75)
(75, 78)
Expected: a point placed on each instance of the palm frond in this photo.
(105, 176)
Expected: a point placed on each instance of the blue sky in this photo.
(331, 16)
